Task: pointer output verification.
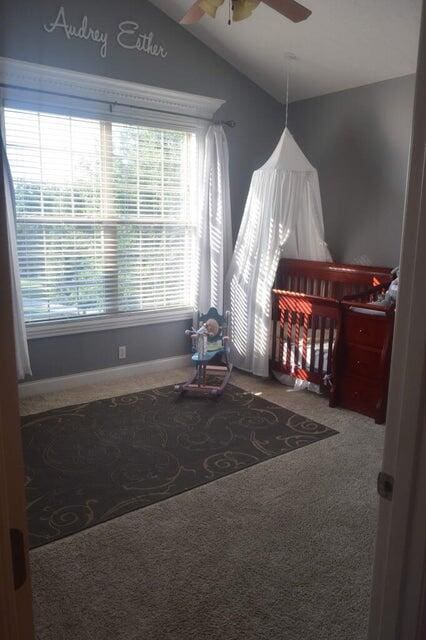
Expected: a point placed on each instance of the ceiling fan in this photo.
(242, 9)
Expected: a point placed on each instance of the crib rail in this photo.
(328, 279)
(304, 334)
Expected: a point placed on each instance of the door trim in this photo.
(15, 590)
(401, 537)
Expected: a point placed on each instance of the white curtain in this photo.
(282, 218)
(215, 234)
(21, 347)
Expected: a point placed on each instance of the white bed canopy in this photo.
(282, 218)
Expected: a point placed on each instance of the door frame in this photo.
(16, 621)
(400, 560)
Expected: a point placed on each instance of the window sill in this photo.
(102, 323)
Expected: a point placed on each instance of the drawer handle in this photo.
(361, 330)
(360, 363)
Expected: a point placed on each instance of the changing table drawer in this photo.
(365, 330)
(359, 394)
(362, 361)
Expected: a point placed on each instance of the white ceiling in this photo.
(344, 43)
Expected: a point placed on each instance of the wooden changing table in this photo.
(362, 357)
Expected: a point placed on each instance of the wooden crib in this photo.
(306, 313)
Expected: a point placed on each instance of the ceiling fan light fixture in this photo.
(210, 6)
(243, 9)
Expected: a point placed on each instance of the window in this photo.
(105, 215)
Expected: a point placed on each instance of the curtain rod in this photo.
(228, 123)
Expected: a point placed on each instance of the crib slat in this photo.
(330, 344)
(281, 338)
(296, 341)
(274, 329)
(289, 332)
(313, 340)
(305, 338)
(321, 350)
(275, 337)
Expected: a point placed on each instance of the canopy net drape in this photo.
(282, 218)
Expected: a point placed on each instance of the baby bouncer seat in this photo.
(210, 345)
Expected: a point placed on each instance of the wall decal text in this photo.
(128, 36)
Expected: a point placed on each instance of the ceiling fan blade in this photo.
(193, 15)
(290, 9)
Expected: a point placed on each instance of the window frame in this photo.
(38, 77)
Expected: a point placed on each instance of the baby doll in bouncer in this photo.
(209, 329)
(210, 354)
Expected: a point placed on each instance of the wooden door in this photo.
(397, 608)
(15, 587)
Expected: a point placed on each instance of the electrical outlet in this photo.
(122, 353)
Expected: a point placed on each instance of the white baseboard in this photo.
(48, 385)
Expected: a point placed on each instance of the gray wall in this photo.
(359, 141)
(61, 355)
(190, 66)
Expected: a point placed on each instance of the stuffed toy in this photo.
(391, 295)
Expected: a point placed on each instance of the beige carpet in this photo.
(280, 551)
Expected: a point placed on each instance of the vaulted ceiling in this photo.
(344, 43)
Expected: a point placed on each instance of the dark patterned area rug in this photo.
(89, 463)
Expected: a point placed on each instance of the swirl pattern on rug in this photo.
(89, 463)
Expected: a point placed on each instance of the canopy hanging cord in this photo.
(286, 94)
(289, 58)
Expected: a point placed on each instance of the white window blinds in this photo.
(105, 215)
